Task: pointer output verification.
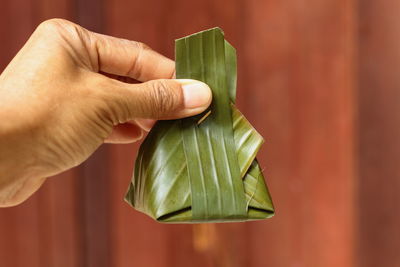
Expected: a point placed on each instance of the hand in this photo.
(58, 103)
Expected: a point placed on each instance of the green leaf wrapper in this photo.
(188, 172)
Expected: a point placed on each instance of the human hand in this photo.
(57, 106)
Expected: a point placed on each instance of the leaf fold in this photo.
(187, 171)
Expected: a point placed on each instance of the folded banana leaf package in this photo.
(203, 168)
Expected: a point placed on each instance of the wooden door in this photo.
(318, 79)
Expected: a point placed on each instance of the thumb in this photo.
(162, 99)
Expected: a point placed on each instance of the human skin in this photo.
(59, 101)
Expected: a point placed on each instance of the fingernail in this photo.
(196, 94)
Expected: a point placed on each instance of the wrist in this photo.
(17, 163)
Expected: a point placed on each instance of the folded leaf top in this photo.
(189, 172)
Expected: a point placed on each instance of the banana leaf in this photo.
(203, 168)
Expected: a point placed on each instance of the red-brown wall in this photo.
(318, 79)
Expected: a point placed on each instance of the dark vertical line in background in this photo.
(379, 128)
(94, 172)
(164, 29)
(96, 209)
(241, 85)
(90, 14)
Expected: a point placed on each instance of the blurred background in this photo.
(318, 79)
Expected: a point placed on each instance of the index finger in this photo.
(129, 58)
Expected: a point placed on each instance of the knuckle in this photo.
(106, 110)
(136, 67)
(141, 46)
(56, 28)
(52, 25)
(163, 98)
(109, 102)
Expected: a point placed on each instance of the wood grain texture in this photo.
(44, 231)
(20, 239)
(379, 145)
(60, 233)
(53, 228)
(136, 240)
(318, 79)
(302, 102)
(95, 172)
